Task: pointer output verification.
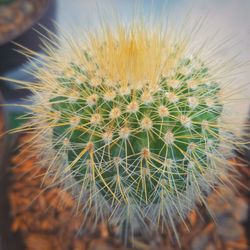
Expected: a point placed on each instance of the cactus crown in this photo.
(130, 122)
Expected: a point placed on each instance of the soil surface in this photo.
(46, 221)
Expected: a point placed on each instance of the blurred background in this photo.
(20, 22)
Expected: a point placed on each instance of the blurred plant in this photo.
(131, 123)
(5, 1)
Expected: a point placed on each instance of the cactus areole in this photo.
(131, 122)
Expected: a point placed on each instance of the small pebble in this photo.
(79, 245)
(230, 229)
(38, 242)
(210, 246)
(100, 245)
(241, 210)
(200, 242)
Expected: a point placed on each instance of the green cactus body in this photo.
(140, 142)
(130, 123)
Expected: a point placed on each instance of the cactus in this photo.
(130, 123)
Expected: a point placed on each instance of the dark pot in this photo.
(8, 240)
(28, 37)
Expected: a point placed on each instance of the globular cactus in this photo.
(131, 123)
